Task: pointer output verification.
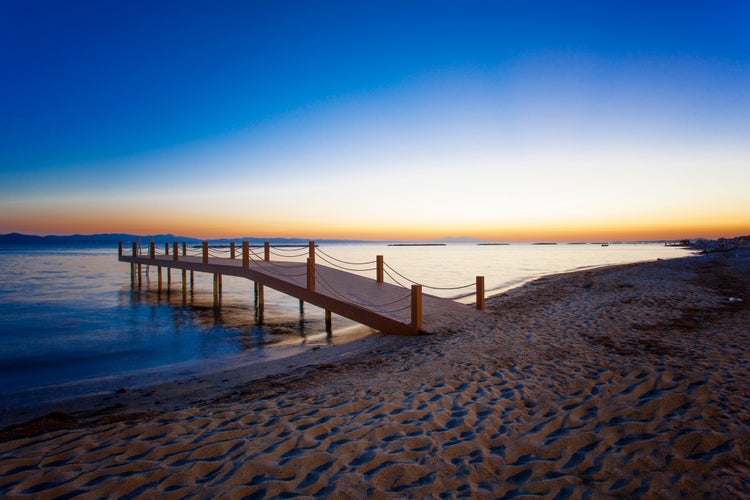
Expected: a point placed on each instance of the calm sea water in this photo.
(69, 315)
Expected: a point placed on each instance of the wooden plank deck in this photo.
(383, 306)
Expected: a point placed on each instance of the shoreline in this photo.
(620, 380)
(137, 394)
(102, 399)
(179, 386)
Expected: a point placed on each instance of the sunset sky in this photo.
(501, 120)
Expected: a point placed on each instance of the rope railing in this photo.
(335, 291)
(302, 254)
(288, 248)
(345, 268)
(367, 263)
(253, 255)
(397, 282)
(281, 270)
(426, 286)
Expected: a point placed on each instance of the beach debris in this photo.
(735, 300)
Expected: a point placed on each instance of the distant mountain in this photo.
(126, 239)
(88, 239)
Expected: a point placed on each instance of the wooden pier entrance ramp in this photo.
(390, 308)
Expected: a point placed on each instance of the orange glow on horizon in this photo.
(206, 227)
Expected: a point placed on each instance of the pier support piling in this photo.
(480, 293)
(328, 323)
(416, 307)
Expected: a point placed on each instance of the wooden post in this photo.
(166, 248)
(216, 289)
(301, 307)
(119, 249)
(221, 284)
(328, 322)
(379, 270)
(267, 251)
(416, 307)
(132, 275)
(231, 249)
(169, 278)
(158, 274)
(480, 293)
(184, 281)
(152, 250)
(205, 252)
(184, 248)
(140, 274)
(192, 279)
(311, 251)
(245, 254)
(175, 252)
(135, 249)
(311, 275)
(259, 303)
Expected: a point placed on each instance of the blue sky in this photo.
(501, 120)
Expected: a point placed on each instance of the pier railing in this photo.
(257, 256)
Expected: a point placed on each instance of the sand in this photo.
(629, 381)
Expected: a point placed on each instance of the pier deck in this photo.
(380, 305)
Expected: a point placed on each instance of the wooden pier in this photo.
(387, 307)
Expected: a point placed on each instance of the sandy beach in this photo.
(628, 381)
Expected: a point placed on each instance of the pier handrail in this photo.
(427, 286)
(263, 260)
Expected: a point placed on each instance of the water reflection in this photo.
(236, 311)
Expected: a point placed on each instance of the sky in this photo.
(498, 120)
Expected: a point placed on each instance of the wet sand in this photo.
(625, 381)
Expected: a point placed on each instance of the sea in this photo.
(71, 323)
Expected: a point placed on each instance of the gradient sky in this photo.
(502, 120)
